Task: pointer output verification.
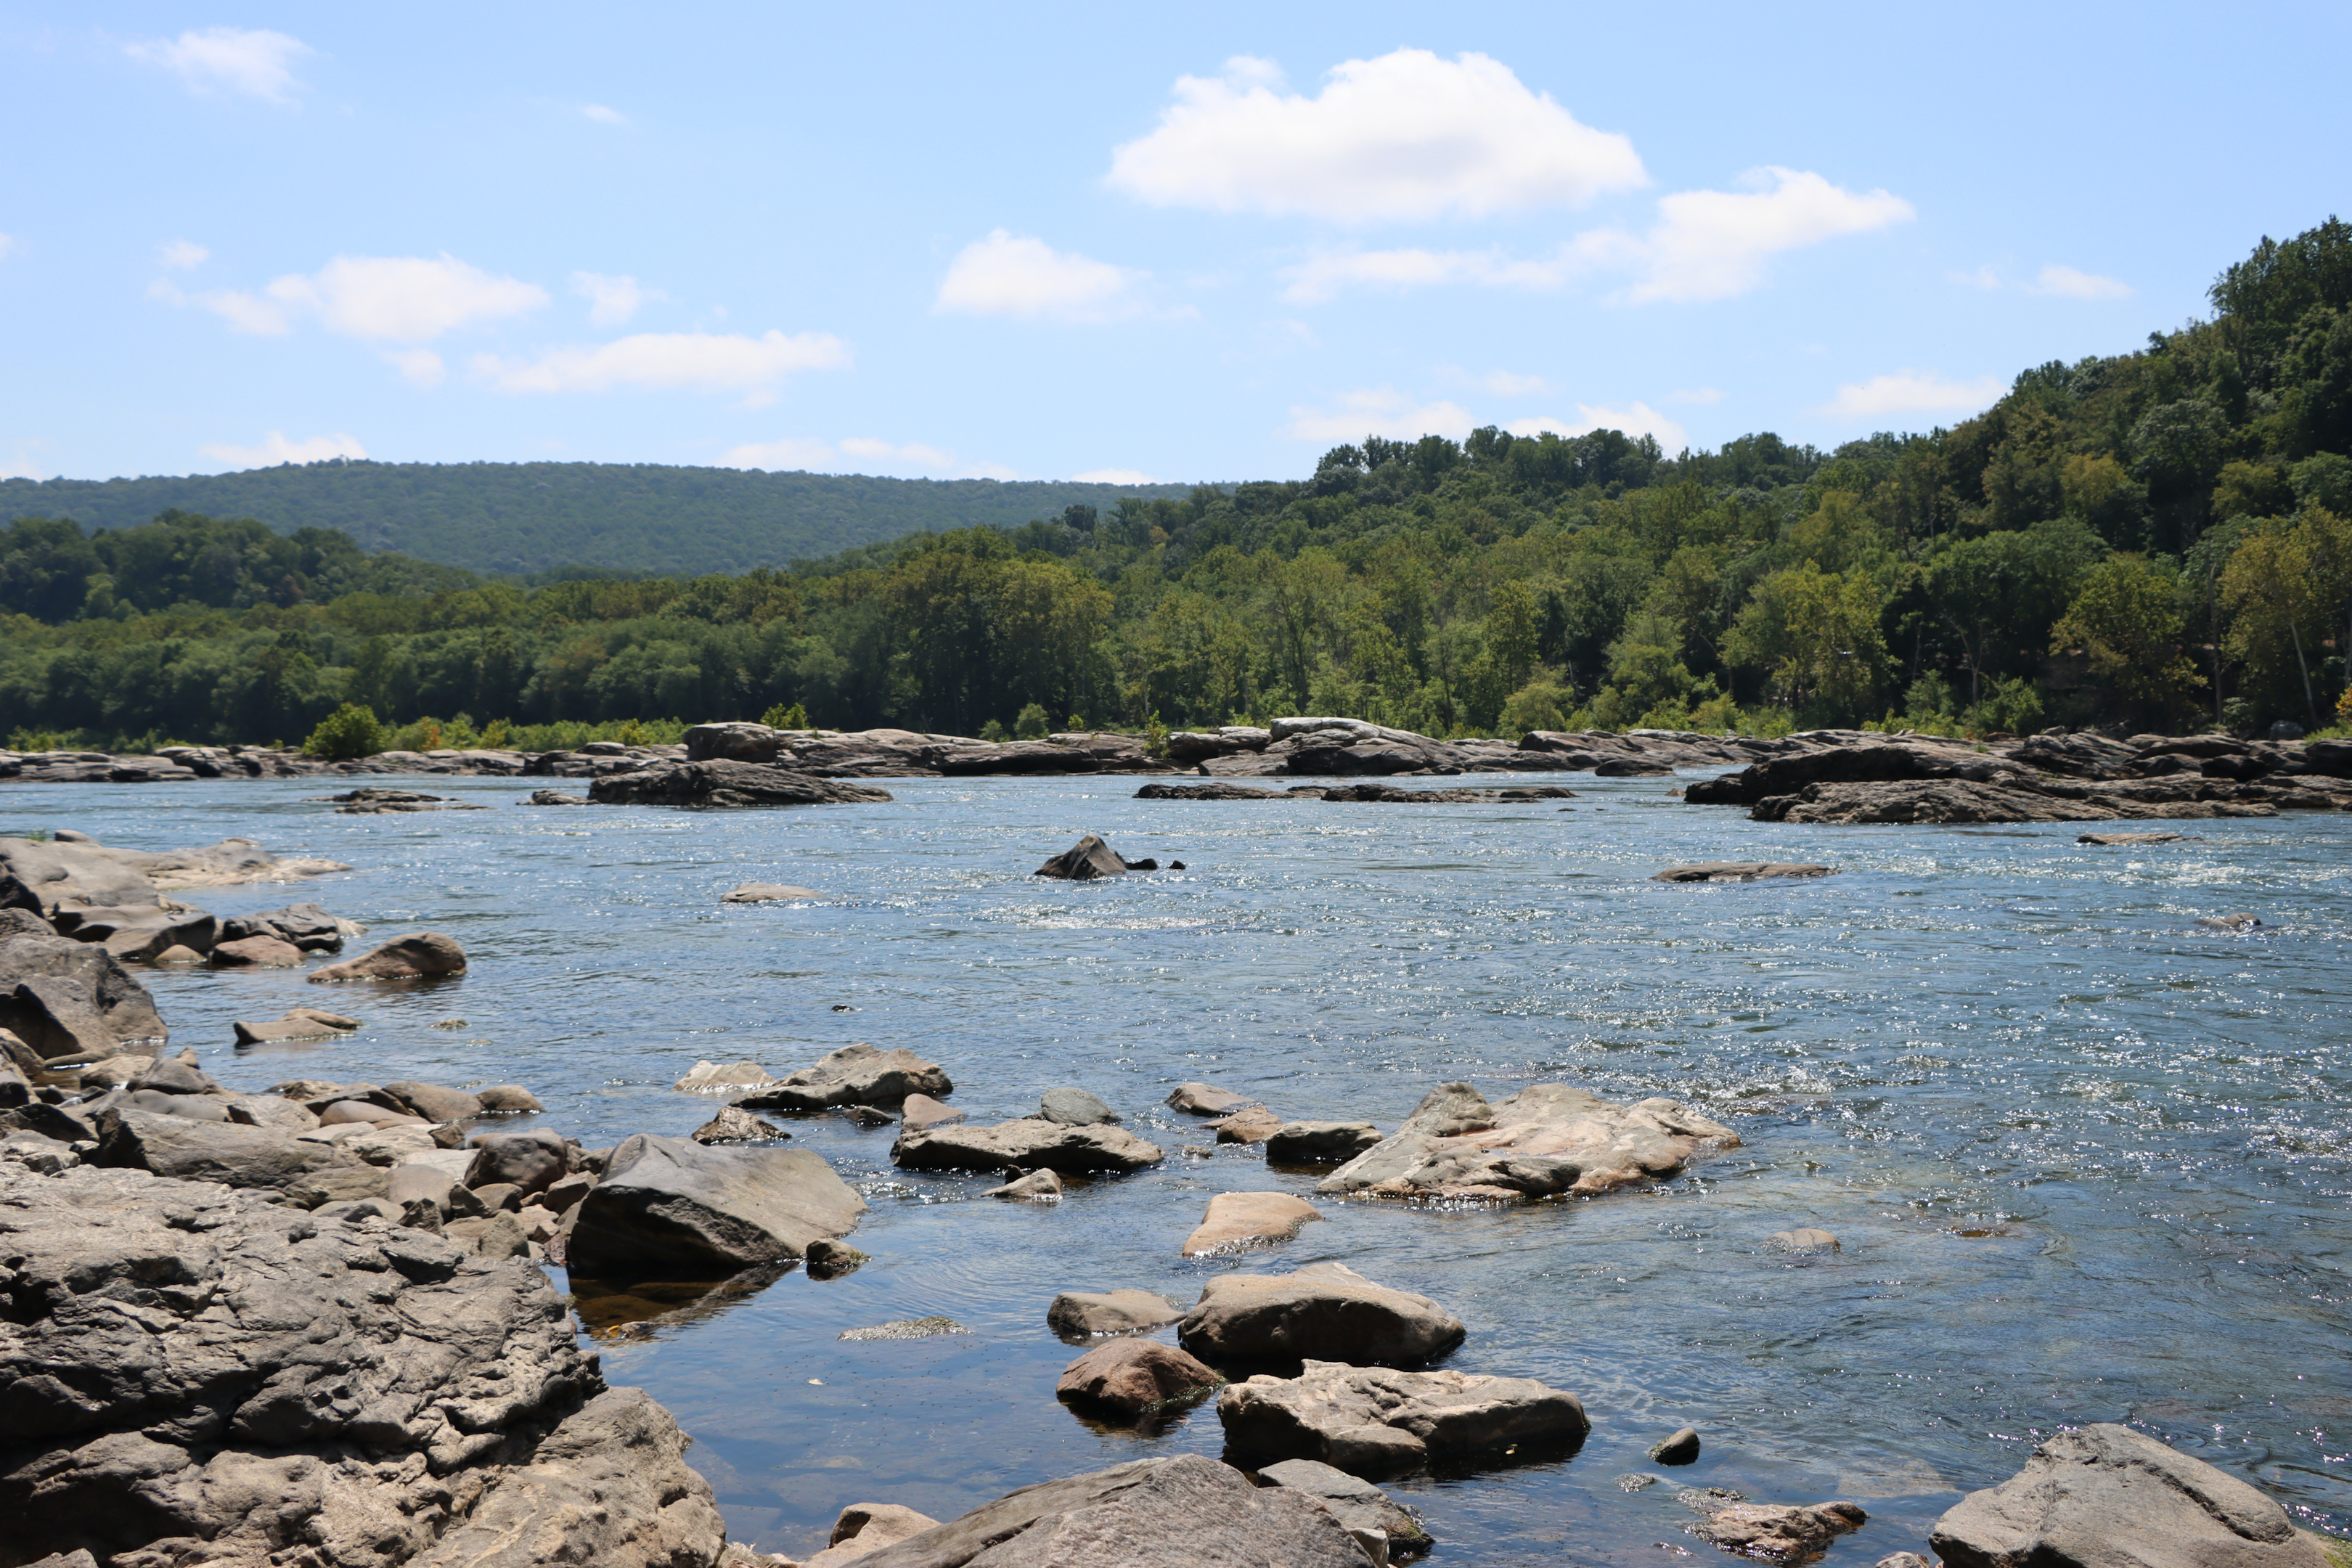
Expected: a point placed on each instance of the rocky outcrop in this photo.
(1080, 1314)
(229, 1152)
(1320, 1143)
(1185, 1512)
(1084, 861)
(421, 955)
(719, 783)
(1546, 1140)
(1133, 1376)
(670, 1206)
(1358, 793)
(1373, 1421)
(66, 998)
(858, 1074)
(1363, 1507)
(80, 870)
(2108, 1497)
(1739, 871)
(864, 1527)
(373, 801)
(1326, 1309)
(1206, 1099)
(306, 926)
(197, 1374)
(1239, 1220)
(1026, 1144)
(1778, 1532)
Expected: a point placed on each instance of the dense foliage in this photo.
(524, 517)
(2154, 539)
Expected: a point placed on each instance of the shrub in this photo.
(1031, 723)
(1541, 704)
(991, 731)
(1155, 735)
(349, 731)
(779, 717)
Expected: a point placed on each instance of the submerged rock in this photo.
(1739, 871)
(671, 1206)
(767, 893)
(422, 955)
(907, 1328)
(1080, 1314)
(1237, 1220)
(854, 1074)
(1132, 1376)
(1326, 1309)
(1207, 1100)
(1546, 1140)
(1084, 861)
(1037, 1186)
(724, 1078)
(1027, 1144)
(1777, 1533)
(1374, 1421)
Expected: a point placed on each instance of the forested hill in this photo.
(531, 517)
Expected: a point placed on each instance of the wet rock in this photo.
(864, 1527)
(1132, 1376)
(920, 1111)
(1254, 1125)
(1037, 1186)
(1319, 1142)
(227, 1153)
(1326, 1309)
(1184, 1511)
(174, 1076)
(1084, 861)
(854, 1074)
(1028, 1144)
(1360, 1505)
(2113, 839)
(1076, 1107)
(1239, 1220)
(1545, 1140)
(827, 1258)
(433, 1102)
(1374, 1421)
(734, 1125)
(863, 1116)
(907, 1328)
(1676, 1448)
(507, 1099)
(1903, 1560)
(719, 782)
(1778, 1533)
(422, 955)
(1207, 1100)
(2108, 1497)
(299, 1024)
(1739, 871)
(1076, 1314)
(669, 1205)
(306, 926)
(63, 998)
(724, 1078)
(255, 952)
(556, 798)
(767, 893)
(531, 1162)
(2230, 922)
(1802, 1240)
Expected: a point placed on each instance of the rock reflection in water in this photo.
(649, 1308)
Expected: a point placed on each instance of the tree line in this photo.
(2156, 539)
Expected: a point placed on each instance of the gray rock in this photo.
(227, 1153)
(830, 1259)
(863, 1528)
(768, 893)
(1081, 1314)
(1676, 1448)
(1207, 1100)
(735, 1125)
(306, 926)
(1546, 1140)
(2109, 1496)
(532, 1160)
(1778, 1532)
(1360, 1505)
(920, 1111)
(435, 1103)
(420, 955)
(1802, 1240)
(724, 1078)
(1320, 1143)
(1326, 1309)
(1373, 1421)
(193, 1107)
(1076, 1107)
(854, 1074)
(1037, 1186)
(1740, 871)
(556, 798)
(66, 998)
(671, 1206)
(1133, 1376)
(172, 1076)
(720, 782)
(1084, 861)
(1185, 1512)
(737, 739)
(1028, 1144)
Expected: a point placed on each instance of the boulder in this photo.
(228, 1153)
(1028, 1144)
(854, 1074)
(1084, 861)
(195, 1107)
(767, 893)
(1319, 1142)
(1363, 1507)
(343, 1113)
(669, 1205)
(306, 926)
(920, 1111)
(1079, 1314)
(1037, 1186)
(64, 998)
(829, 1260)
(255, 952)
(1183, 1511)
(175, 1076)
(2105, 1496)
(1777, 1532)
(724, 1078)
(738, 740)
(1207, 1100)
(1546, 1140)
(556, 798)
(1327, 1309)
(507, 1099)
(1679, 1448)
(719, 782)
(299, 1024)
(863, 1528)
(1374, 1421)
(271, 1110)
(1133, 1376)
(138, 932)
(735, 1125)
(1739, 871)
(532, 1160)
(1255, 1124)
(1238, 1220)
(1076, 1107)
(433, 1102)
(423, 955)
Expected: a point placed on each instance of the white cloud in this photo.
(611, 300)
(1503, 383)
(1406, 136)
(1378, 411)
(1636, 419)
(232, 59)
(862, 455)
(1114, 477)
(421, 367)
(181, 255)
(1005, 275)
(699, 362)
(1711, 245)
(402, 298)
(2071, 284)
(1696, 395)
(602, 115)
(1982, 277)
(1912, 392)
(1321, 276)
(275, 449)
(23, 468)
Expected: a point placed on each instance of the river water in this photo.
(2088, 1162)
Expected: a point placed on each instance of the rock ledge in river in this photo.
(1546, 1138)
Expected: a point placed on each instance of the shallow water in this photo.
(2088, 1162)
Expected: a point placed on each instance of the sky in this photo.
(1197, 243)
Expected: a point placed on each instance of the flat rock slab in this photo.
(720, 782)
(227, 1153)
(2108, 1497)
(1133, 1376)
(724, 1078)
(1028, 1144)
(421, 955)
(1546, 1140)
(299, 1024)
(860, 1074)
(1739, 871)
(671, 1206)
(2118, 838)
(768, 893)
(1186, 1511)
(1076, 1107)
(1373, 1421)
(1326, 1309)
(1252, 1125)
(1238, 1220)
(1081, 1313)
(1207, 1100)
(1319, 1142)
(1778, 1532)
(1360, 1504)
(920, 1111)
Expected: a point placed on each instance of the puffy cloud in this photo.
(253, 61)
(1711, 245)
(2071, 284)
(1912, 392)
(859, 454)
(611, 300)
(1006, 275)
(1114, 477)
(602, 115)
(698, 362)
(1406, 136)
(1378, 411)
(1635, 419)
(275, 449)
(181, 255)
(420, 367)
(399, 299)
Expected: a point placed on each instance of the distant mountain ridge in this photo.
(533, 517)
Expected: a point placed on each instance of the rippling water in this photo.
(2088, 1163)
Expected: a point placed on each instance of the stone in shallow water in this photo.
(1133, 1376)
(1237, 1220)
(1360, 1505)
(1777, 1533)
(1326, 1309)
(1028, 1144)
(1037, 1186)
(1676, 1448)
(857, 1074)
(1077, 1314)
(1802, 1240)
(734, 1125)
(907, 1328)
(1207, 1100)
(1373, 1421)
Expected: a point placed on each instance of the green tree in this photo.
(1817, 634)
(2126, 619)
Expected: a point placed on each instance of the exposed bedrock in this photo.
(670, 1206)
(720, 782)
(857, 1074)
(1546, 1140)
(1026, 1144)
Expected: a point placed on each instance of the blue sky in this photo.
(1097, 241)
